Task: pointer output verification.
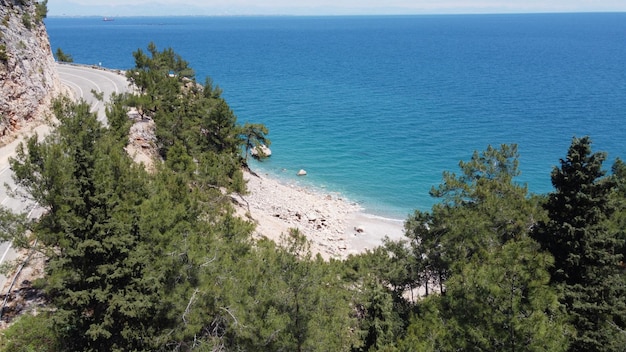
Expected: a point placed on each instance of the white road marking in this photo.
(70, 83)
(98, 89)
(6, 252)
(30, 213)
(102, 74)
(112, 82)
(86, 79)
(8, 197)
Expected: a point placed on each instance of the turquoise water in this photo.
(377, 108)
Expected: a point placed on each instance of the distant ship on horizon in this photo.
(108, 19)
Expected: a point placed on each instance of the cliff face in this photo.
(28, 78)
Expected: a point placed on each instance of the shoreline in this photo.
(334, 226)
(369, 204)
(375, 229)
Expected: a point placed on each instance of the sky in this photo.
(322, 7)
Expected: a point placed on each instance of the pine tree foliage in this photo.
(381, 277)
(617, 223)
(587, 255)
(96, 280)
(480, 209)
(474, 248)
(504, 302)
(192, 117)
(427, 331)
(501, 304)
(29, 333)
(265, 298)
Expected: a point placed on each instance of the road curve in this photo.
(80, 80)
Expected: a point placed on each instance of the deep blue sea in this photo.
(376, 108)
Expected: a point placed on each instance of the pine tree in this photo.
(97, 272)
(302, 305)
(475, 247)
(504, 302)
(481, 208)
(254, 136)
(500, 303)
(586, 254)
(617, 224)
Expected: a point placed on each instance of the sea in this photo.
(376, 108)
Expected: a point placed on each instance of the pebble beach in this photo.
(335, 226)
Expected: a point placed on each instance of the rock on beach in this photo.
(261, 149)
(327, 220)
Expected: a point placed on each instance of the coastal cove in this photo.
(376, 108)
(141, 210)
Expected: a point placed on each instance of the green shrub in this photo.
(41, 10)
(3, 53)
(63, 57)
(39, 283)
(29, 333)
(27, 21)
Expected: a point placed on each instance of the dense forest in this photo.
(157, 261)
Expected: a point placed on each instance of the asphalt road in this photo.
(81, 80)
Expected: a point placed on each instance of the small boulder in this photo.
(359, 229)
(261, 150)
(302, 172)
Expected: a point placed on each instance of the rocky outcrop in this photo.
(142, 142)
(261, 151)
(28, 78)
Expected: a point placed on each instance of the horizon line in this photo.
(348, 15)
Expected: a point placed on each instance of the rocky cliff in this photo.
(28, 78)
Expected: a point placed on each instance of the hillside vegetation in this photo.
(157, 261)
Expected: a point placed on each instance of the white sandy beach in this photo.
(335, 226)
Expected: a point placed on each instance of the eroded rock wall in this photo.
(28, 78)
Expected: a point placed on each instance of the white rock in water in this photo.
(302, 172)
(263, 149)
